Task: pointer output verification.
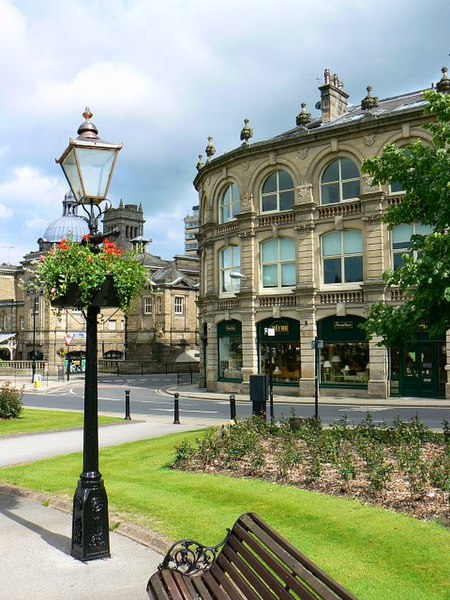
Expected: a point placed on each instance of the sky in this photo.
(160, 76)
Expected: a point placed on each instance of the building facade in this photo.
(160, 325)
(293, 250)
(191, 232)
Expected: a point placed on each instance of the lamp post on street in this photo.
(88, 164)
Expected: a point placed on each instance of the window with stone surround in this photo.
(230, 262)
(342, 257)
(401, 240)
(230, 203)
(277, 192)
(340, 182)
(278, 263)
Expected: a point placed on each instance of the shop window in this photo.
(342, 257)
(278, 263)
(279, 350)
(340, 181)
(230, 350)
(344, 358)
(230, 262)
(112, 325)
(401, 240)
(229, 204)
(277, 192)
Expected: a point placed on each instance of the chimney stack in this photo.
(333, 98)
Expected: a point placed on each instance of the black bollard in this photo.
(127, 405)
(232, 407)
(176, 409)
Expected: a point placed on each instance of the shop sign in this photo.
(269, 331)
(231, 327)
(281, 328)
(343, 324)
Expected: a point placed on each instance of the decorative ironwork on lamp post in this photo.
(88, 164)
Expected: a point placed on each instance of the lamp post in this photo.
(88, 164)
(33, 360)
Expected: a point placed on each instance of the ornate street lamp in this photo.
(88, 164)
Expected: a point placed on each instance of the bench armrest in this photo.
(190, 557)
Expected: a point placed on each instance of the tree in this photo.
(424, 277)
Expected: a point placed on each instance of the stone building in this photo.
(28, 325)
(292, 250)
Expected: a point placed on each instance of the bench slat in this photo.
(238, 564)
(295, 559)
(262, 572)
(156, 587)
(256, 563)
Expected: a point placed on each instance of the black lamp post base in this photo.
(90, 525)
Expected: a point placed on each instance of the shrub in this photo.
(11, 405)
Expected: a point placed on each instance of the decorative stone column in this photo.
(378, 386)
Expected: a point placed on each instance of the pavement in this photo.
(35, 529)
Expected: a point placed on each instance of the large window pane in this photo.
(401, 234)
(270, 185)
(350, 189)
(332, 270)
(285, 181)
(353, 269)
(331, 244)
(269, 203)
(348, 169)
(286, 200)
(331, 173)
(330, 193)
(270, 251)
(288, 275)
(287, 250)
(352, 242)
(270, 276)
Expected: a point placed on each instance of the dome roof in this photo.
(70, 225)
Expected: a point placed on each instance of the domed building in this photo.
(69, 226)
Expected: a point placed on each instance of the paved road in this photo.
(150, 400)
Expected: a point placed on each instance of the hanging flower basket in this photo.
(105, 296)
(81, 275)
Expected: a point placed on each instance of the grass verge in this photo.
(39, 421)
(377, 554)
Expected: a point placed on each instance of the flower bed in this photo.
(405, 468)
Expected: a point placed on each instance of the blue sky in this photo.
(162, 75)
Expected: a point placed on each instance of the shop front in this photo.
(279, 348)
(344, 359)
(418, 368)
(229, 335)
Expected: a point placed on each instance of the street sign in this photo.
(68, 340)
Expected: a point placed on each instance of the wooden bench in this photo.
(252, 562)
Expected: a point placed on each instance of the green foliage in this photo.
(424, 172)
(87, 266)
(11, 405)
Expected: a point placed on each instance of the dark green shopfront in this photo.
(416, 369)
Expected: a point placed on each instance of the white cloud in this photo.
(5, 212)
(28, 186)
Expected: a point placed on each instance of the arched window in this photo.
(229, 204)
(278, 263)
(401, 240)
(277, 192)
(342, 257)
(339, 182)
(230, 261)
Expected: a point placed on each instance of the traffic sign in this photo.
(68, 340)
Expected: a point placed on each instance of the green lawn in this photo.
(377, 554)
(38, 421)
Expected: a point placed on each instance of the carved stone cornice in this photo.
(305, 227)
